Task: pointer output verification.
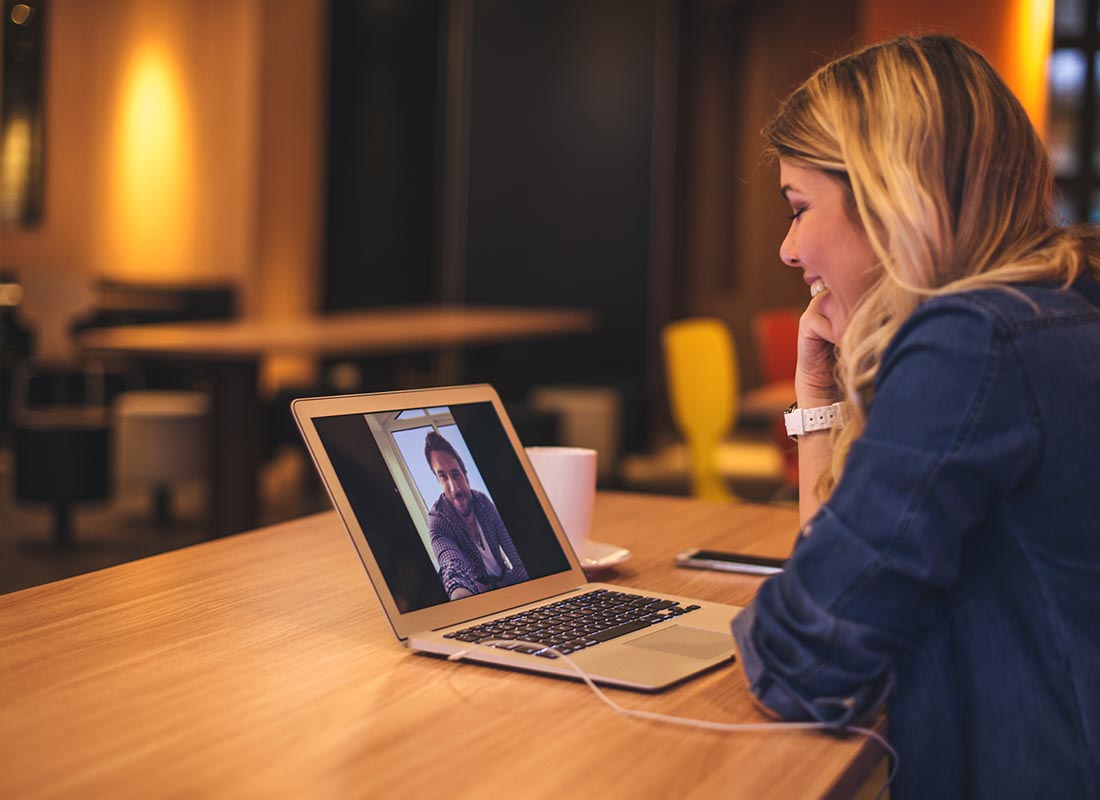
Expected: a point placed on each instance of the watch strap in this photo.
(807, 420)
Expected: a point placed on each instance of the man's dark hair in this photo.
(434, 441)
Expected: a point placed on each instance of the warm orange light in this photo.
(1029, 35)
(14, 167)
(1015, 35)
(150, 225)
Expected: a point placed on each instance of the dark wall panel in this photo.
(382, 218)
(559, 98)
(561, 107)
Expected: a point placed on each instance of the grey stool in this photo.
(160, 441)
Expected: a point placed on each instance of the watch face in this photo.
(792, 421)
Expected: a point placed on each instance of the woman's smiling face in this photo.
(826, 243)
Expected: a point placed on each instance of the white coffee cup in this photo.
(568, 474)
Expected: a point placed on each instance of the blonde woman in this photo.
(948, 424)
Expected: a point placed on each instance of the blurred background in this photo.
(266, 162)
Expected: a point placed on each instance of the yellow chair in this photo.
(704, 386)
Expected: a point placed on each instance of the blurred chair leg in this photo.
(162, 505)
(63, 525)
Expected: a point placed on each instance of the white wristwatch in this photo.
(807, 420)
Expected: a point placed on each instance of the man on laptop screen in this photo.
(474, 550)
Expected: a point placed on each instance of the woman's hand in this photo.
(814, 385)
(814, 381)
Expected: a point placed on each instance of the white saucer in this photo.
(598, 555)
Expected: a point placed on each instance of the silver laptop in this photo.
(463, 547)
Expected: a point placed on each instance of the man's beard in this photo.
(463, 499)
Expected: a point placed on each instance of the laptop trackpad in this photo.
(684, 641)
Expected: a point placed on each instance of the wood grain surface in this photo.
(260, 665)
(351, 332)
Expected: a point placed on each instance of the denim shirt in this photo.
(955, 570)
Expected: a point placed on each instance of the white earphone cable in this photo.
(687, 721)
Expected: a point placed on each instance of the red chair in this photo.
(775, 333)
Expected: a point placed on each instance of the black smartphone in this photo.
(730, 562)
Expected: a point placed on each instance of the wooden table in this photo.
(231, 353)
(260, 665)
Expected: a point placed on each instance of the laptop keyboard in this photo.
(573, 624)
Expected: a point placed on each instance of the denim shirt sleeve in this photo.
(950, 429)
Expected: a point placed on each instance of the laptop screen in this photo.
(442, 500)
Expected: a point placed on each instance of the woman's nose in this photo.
(788, 253)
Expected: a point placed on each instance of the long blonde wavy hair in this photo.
(946, 175)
